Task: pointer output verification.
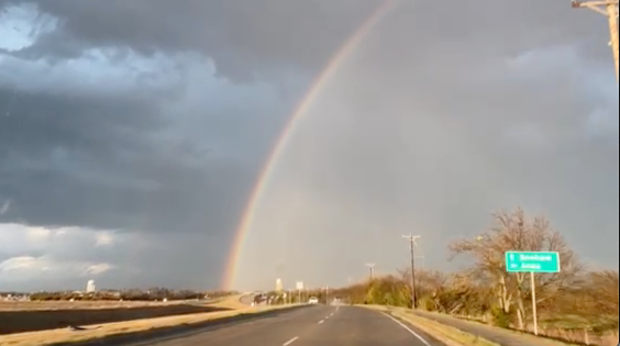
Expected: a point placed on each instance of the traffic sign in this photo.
(532, 261)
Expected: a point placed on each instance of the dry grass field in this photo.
(66, 336)
(19, 317)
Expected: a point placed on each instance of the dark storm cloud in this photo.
(100, 164)
(121, 163)
(483, 104)
(242, 36)
(92, 124)
(94, 144)
(247, 36)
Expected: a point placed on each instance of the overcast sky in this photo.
(133, 132)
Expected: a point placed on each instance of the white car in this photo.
(313, 300)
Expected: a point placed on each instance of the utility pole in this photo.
(608, 8)
(326, 295)
(412, 243)
(371, 267)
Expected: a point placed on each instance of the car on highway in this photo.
(313, 300)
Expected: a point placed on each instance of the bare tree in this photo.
(600, 299)
(514, 232)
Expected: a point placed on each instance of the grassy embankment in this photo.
(455, 337)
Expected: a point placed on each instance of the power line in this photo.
(412, 243)
(608, 8)
(423, 258)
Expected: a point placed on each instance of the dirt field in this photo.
(100, 332)
(34, 316)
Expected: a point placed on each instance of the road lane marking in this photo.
(321, 321)
(290, 341)
(407, 329)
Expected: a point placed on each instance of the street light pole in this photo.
(608, 8)
(371, 267)
(326, 295)
(412, 242)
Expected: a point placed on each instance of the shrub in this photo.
(500, 317)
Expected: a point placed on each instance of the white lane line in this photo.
(407, 329)
(290, 341)
(321, 321)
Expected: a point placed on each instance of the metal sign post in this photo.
(534, 303)
(532, 262)
(326, 295)
(300, 286)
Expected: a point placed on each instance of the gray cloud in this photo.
(94, 157)
(434, 138)
(107, 143)
(101, 164)
(244, 37)
(153, 118)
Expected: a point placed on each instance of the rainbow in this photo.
(263, 178)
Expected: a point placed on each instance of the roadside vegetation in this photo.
(576, 305)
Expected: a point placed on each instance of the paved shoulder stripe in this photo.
(407, 329)
(290, 341)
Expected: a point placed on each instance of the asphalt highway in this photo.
(313, 326)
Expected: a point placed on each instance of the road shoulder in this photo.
(445, 335)
(455, 332)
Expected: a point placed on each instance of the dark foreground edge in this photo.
(178, 330)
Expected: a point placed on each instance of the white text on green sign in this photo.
(537, 262)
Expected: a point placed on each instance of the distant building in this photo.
(90, 286)
(279, 286)
(14, 297)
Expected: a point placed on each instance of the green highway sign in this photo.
(533, 261)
